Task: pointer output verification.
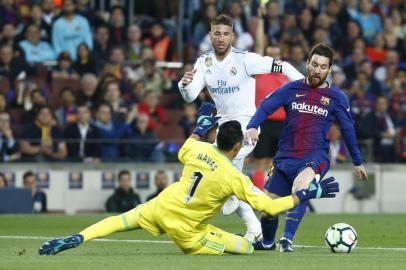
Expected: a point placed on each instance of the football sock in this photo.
(245, 211)
(293, 218)
(269, 226)
(105, 227)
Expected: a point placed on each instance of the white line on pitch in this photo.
(21, 237)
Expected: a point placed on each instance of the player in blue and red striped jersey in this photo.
(311, 105)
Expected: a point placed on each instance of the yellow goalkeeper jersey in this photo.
(208, 180)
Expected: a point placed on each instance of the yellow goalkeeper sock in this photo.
(105, 227)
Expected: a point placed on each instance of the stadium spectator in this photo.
(83, 8)
(398, 26)
(273, 20)
(8, 34)
(3, 181)
(366, 78)
(380, 126)
(160, 43)
(66, 113)
(37, 19)
(134, 45)
(188, 120)
(35, 50)
(136, 93)
(31, 101)
(361, 101)
(117, 26)
(8, 145)
(11, 67)
(124, 197)
(298, 58)
(150, 106)
(348, 11)
(3, 104)
(338, 152)
(9, 13)
(371, 23)
(85, 62)
(64, 69)
(116, 64)
(141, 145)
(353, 33)
(38, 196)
(387, 71)
(112, 95)
(88, 93)
(152, 75)
(82, 137)
(401, 143)
(102, 46)
(49, 12)
(351, 63)
(397, 95)
(110, 132)
(41, 141)
(161, 182)
(70, 30)
(391, 36)
(290, 32)
(376, 53)
(203, 26)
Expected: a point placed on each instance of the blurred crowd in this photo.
(81, 84)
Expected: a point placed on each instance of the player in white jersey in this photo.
(228, 74)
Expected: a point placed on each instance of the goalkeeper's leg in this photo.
(216, 242)
(124, 222)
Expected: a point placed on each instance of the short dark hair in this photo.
(27, 174)
(105, 104)
(229, 134)
(43, 107)
(67, 89)
(123, 172)
(222, 19)
(323, 50)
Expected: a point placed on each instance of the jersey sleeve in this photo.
(246, 191)
(185, 149)
(192, 90)
(257, 64)
(343, 113)
(268, 106)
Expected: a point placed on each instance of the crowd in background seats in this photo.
(84, 85)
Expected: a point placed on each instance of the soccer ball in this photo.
(341, 238)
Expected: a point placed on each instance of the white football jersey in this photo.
(230, 83)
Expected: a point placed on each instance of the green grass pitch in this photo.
(382, 245)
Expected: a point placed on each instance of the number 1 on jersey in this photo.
(195, 177)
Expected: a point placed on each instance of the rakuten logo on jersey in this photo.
(306, 108)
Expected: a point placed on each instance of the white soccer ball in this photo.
(341, 238)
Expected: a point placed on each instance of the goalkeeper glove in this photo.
(205, 119)
(323, 189)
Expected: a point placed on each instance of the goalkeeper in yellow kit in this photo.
(183, 210)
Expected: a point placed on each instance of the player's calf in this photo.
(53, 247)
